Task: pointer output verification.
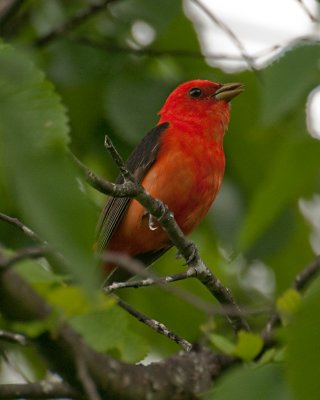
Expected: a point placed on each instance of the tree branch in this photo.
(229, 32)
(85, 378)
(151, 52)
(155, 325)
(17, 223)
(127, 189)
(307, 11)
(13, 337)
(6, 262)
(135, 267)
(307, 275)
(150, 281)
(39, 390)
(184, 375)
(8, 13)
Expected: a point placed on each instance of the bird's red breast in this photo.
(184, 169)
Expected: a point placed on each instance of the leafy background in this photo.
(97, 79)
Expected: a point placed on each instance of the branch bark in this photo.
(22, 227)
(39, 390)
(155, 325)
(183, 376)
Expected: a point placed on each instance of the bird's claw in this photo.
(152, 223)
(163, 209)
(193, 254)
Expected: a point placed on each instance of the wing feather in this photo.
(138, 163)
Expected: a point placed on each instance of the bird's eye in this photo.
(195, 92)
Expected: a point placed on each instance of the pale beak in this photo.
(228, 91)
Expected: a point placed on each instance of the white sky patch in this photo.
(258, 276)
(258, 25)
(313, 113)
(310, 209)
(263, 28)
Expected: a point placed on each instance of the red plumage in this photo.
(181, 162)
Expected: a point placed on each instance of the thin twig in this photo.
(159, 281)
(151, 52)
(10, 10)
(13, 337)
(300, 282)
(155, 325)
(17, 223)
(135, 267)
(229, 32)
(306, 275)
(190, 373)
(73, 22)
(128, 176)
(223, 294)
(308, 12)
(127, 189)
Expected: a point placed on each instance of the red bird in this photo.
(181, 162)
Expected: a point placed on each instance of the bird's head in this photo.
(200, 100)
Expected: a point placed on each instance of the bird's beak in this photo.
(228, 91)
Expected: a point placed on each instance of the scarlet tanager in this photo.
(181, 162)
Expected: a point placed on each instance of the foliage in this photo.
(70, 92)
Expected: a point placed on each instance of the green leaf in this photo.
(267, 356)
(131, 117)
(288, 303)
(288, 80)
(39, 174)
(180, 35)
(302, 335)
(108, 330)
(37, 272)
(248, 346)
(156, 13)
(36, 328)
(133, 348)
(222, 343)
(101, 329)
(71, 300)
(287, 179)
(263, 383)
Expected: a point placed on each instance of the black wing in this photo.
(139, 162)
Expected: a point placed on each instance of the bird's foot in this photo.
(192, 254)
